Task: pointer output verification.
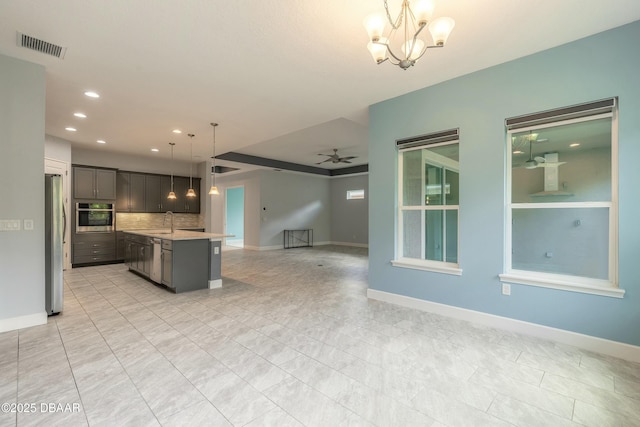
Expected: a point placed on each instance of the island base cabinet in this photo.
(184, 265)
(189, 268)
(167, 263)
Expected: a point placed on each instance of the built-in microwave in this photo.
(95, 217)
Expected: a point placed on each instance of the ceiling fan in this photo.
(335, 158)
(549, 159)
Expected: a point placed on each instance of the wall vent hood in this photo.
(551, 178)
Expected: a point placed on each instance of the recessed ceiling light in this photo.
(101, 141)
(155, 150)
(518, 152)
(70, 129)
(177, 131)
(575, 144)
(80, 115)
(91, 94)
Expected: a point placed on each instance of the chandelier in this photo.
(406, 33)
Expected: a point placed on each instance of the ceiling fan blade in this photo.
(325, 161)
(344, 161)
(550, 164)
(348, 158)
(539, 159)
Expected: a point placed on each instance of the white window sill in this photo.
(565, 283)
(433, 266)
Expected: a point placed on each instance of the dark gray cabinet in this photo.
(131, 192)
(184, 204)
(138, 254)
(153, 193)
(193, 204)
(89, 248)
(140, 192)
(120, 246)
(94, 183)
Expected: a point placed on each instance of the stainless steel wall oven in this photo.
(95, 217)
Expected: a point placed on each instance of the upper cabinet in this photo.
(153, 193)
(182, 203)
(140, 192)
(130, 192)
(94, 183)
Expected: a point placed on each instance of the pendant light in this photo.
(191, 192)
(172, 195)
(214, 190)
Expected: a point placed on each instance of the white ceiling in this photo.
(286, 79)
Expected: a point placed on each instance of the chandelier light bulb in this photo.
(417, 50)
(374, 24)
(440, 29)
(423, 11)
(378, 50)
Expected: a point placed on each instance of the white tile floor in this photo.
(292, 340)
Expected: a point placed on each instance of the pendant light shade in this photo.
(191, 192)
(172, 195)
(214, 190)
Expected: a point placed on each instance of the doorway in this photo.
(234, 216)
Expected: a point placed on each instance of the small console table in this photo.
(298, 238)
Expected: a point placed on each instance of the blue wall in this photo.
(597, 67)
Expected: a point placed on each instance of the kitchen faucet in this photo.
(165, 220)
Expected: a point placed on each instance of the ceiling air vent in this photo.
(41, 46)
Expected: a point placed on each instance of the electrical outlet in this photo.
(216, 250)
(506, 289)
(28, 224)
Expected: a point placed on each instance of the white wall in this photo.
(57, 148)
(275, 201)
(293, 201)
(349, 218)
(102, 158)
(251, 183)
(22, 109)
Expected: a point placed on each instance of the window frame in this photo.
(605, 287)
(424, 143)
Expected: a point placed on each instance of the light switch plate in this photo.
(28, 224)
(10, 225)
(506, 289)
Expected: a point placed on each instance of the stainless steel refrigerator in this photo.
(55, 223)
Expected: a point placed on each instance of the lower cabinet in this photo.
(167, 263)
(185, 265)
(120, 245)
(138, 254)
(90, 248)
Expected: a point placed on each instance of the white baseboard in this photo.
(215, 283)
(355, 245)
(13, 323)
(586, 342)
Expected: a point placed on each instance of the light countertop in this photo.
(165, 233)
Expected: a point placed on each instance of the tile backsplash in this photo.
(133, 221)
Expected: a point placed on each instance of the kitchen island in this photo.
(180, 260)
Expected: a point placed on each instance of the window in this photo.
(355, 194)
(428, 203)
(562, 200)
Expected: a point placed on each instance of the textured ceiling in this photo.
(286, 79)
